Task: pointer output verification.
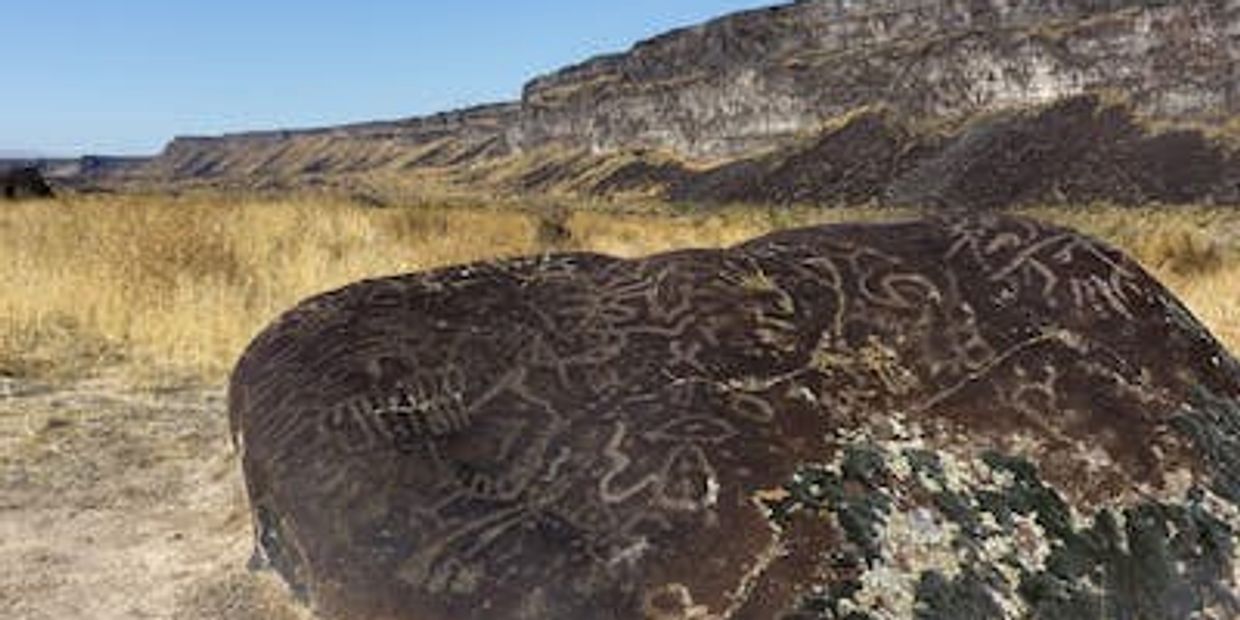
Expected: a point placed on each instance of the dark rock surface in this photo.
(960, 417)
(1075, 151)
(23, 183)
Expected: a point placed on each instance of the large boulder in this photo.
(960, 417)
(23, 183)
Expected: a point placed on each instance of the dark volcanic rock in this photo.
(962, 417)
(1075, 151)
(641, 174)
(23, 183)
(851, 164)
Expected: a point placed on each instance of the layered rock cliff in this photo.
(749, 80)
(442, 139)
(744, 85)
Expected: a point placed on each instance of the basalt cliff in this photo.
(912, 98)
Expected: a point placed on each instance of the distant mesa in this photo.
(24, 183)
(958, 417)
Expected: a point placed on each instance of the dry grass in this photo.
(165, 285)
(1194, 251)
(170, 289)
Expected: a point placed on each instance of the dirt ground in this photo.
(123, 503)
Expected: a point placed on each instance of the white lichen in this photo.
(915, 542)
(916, 538)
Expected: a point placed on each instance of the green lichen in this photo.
(1028, 495)
(953, 505)
(1212, 423)
(967, 597)
(1164, 561)
(1156, 559)
(856, 495)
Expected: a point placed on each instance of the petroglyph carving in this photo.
(427, 407)
(577, 436)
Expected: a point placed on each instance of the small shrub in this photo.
(551, 229)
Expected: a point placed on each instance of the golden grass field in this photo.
(120, 501)
(171, 289)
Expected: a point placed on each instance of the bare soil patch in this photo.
(124, 503)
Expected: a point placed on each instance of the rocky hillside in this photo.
(443, 139)
(745, 92)
(747, 80)
(1077, 150)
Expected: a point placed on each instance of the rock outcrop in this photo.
(747, 81)
(960, 417)
(23, 183)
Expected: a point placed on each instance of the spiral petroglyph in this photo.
(782, 429)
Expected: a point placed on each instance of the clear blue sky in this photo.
(124, 76)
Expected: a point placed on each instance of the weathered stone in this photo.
(960, 417)
(744, 82)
